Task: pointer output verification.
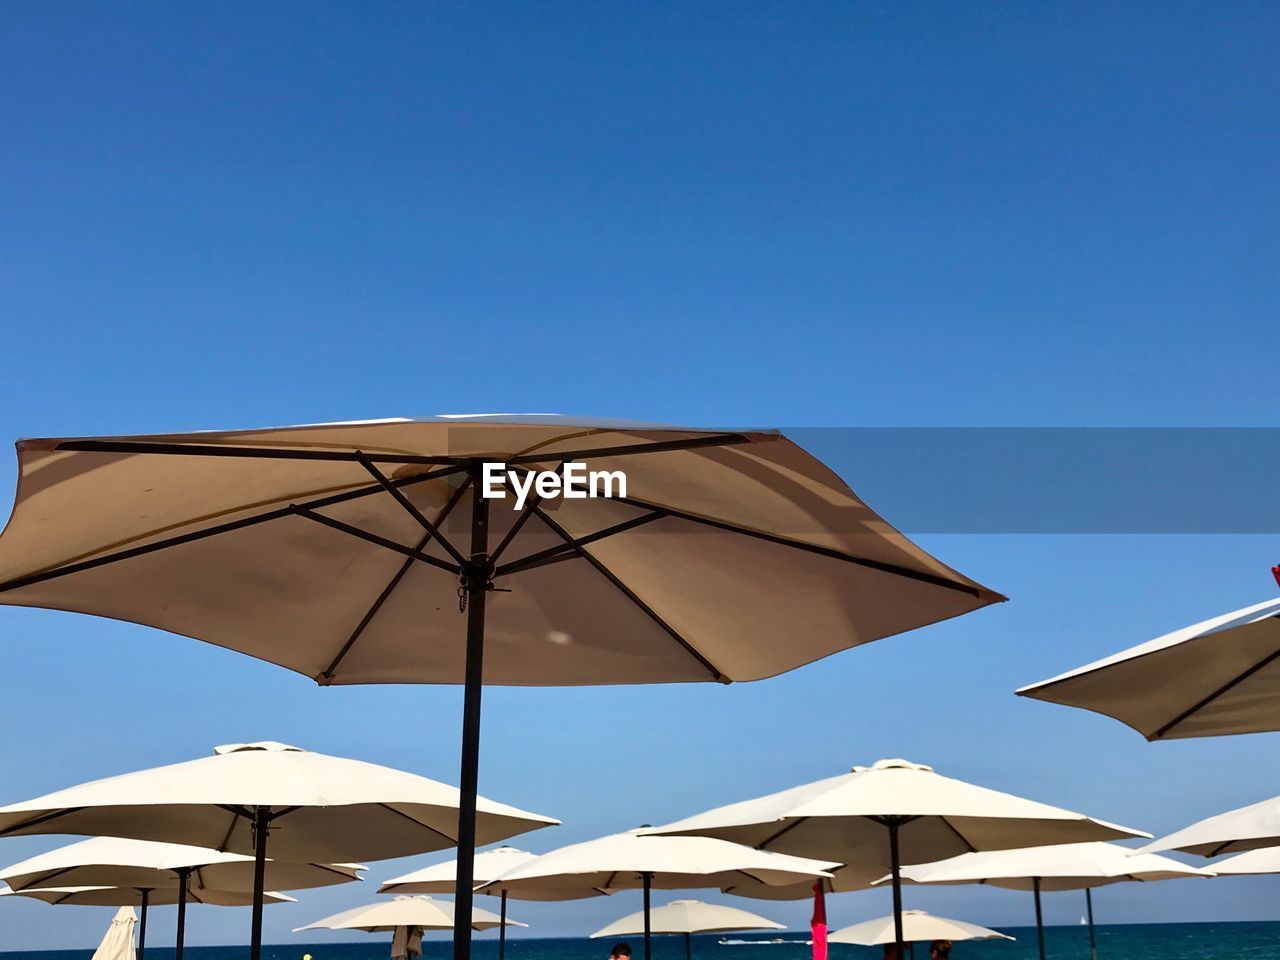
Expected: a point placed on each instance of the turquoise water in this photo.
(1163, 941)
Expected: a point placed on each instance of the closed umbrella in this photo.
(627, 861)
(1210, 679)
(876, 818)
(139, 897)
(118, 943)
(144, 864)
(307, 806)
(687, 917)
(368, 552)
(441, 878)
(916, 926)
(1067, 866)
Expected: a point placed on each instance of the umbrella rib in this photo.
(789, 826)
(441, 833)
(568, 551)
(1187, 714)
(51, 875)
(327, 675)
(229, 527)
(631, 595)
(374, 538)
(954, 829)
(256, 453)
(45, 818)
(520, 521)
(432, 530)
(235, 818)
(880, 565)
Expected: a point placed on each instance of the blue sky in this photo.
(803, 215)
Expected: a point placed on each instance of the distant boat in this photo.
(1083, 921)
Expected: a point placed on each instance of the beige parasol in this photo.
(394, 552)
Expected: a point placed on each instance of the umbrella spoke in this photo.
(36, 821)
(374, 538)
(327, 675)
(631, 595)
(892, 568)
(226, 839)
(525, 514)
(568, 551)
(1220, 692)
(946, 821)
(256, 453)
(427, 826)
(432, 530)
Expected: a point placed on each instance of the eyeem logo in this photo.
(573, 482)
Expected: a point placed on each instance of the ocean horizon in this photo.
(1217, 940)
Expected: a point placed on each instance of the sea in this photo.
(1157, 941)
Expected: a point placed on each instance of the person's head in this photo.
(891, 952)
(620, 951)
(940, 950)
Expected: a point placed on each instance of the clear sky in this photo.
(1037, 214)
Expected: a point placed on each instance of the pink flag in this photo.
(818, 925)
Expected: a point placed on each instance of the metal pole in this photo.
(142, 926)
(475, 582)
(896, 861)
(260, 822)
(1093, 943)
(184, 876)
(648, 934)
(688, 949)
(1035, 885)
(502, 929)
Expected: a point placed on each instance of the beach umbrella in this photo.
(442, 877)
(368, 553)
(629, 861)
(916, 926)
(144, 864)
(1236, 831)
(687, 917)
(874, 819)
(424, 912)
(245, 797)
(139, 897)
(1210, 679)
(118, 943)
(1059, 867)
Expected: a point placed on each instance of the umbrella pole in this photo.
(142, 925)
(502, 929)
(1093, 942)
(688, 949)
(896, 861)
(260, 820)
(1035, 885)
(475, 582)
(648, 933)
(183, 876)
